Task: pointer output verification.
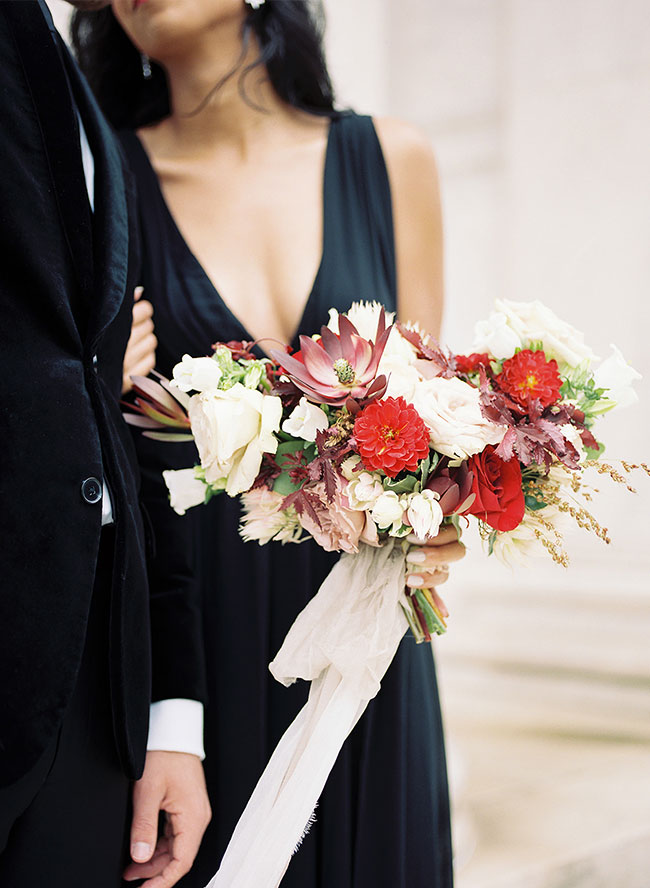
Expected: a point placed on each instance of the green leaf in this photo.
(595, 454)
(406, 485)
(491, 541)
(292, 446)
(455, 520)
(425, 468)
(284, 485)
(533, 504)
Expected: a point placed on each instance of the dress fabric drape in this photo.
(383, 819)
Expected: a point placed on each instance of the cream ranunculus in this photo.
(305, 421)
(617, 376)
(451, 410)
(232, 429)
(196, 374)
(424, 514)
(185, 489)
(388, 512)
(363, 491)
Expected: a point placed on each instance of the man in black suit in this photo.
(75, 658)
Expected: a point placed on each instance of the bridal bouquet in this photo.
(371, 432)
(367, 434)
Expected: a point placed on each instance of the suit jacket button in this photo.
(91, 490)
(95, 363)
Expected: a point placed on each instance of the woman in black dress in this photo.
(261, 208)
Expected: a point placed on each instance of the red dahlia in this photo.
(391, 436)
(528, 375)
(471, 363)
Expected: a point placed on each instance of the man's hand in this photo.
(140, 355)
(173, 783)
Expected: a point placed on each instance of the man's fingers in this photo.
(184, 851)
(162, 856)
(137, 293)
(144, 828)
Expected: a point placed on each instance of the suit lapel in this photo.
(110, 222)
(53, 102)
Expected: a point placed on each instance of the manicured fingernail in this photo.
(414, 581)
(416, 557)
(140, 851)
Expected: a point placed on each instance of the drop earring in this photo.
(146, 66)
(254, 4)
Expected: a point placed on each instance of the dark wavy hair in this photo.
(289, 34)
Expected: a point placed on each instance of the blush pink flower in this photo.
(339, 528)
(338, 366)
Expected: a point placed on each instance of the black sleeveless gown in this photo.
(383, 818)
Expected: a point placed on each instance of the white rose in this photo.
(196, 374)
(617, 376)
(496, 337)
(424, 514)
(364, 491)
(305, 420)
(535, 322)
(388, 511)
(185, 489)
(451, 409)
(232, 429)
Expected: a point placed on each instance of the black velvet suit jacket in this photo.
(66, 282)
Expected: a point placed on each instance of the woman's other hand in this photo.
(140, 355)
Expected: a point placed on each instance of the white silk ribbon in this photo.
(343, 642)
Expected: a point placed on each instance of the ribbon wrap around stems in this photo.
(343, 642)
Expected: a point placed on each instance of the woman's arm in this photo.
(417, 219)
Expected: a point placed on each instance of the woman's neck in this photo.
(207, 100)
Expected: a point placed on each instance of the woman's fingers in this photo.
(427, 579)
(140, 355)
(446, 534)
(141, 310)
(140, 349)
(430, 557)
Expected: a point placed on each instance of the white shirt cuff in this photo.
(176, 726)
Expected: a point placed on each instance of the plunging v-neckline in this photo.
(246, 336)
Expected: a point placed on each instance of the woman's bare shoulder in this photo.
(406, 147)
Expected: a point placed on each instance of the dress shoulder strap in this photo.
(362, 195)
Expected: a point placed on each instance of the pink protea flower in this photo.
(339, 366)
